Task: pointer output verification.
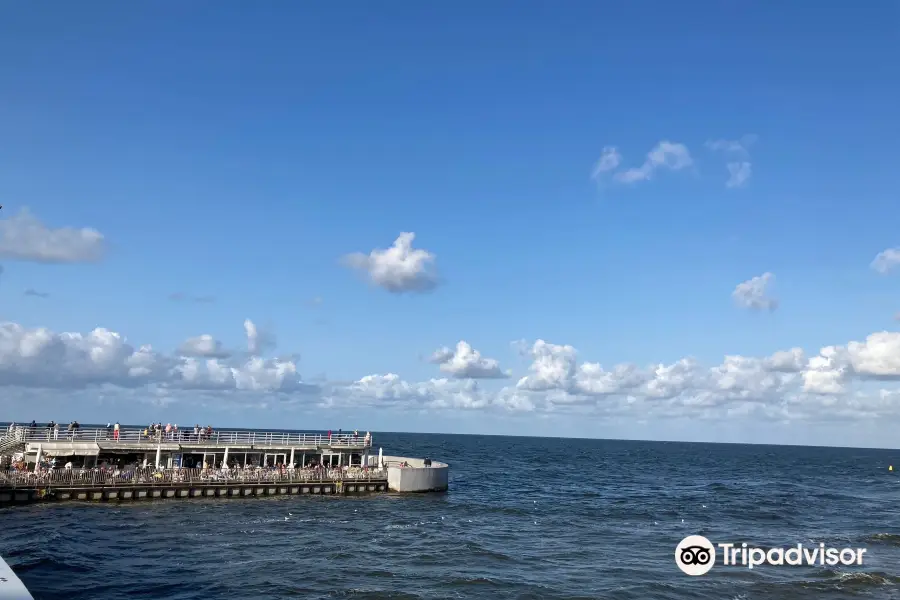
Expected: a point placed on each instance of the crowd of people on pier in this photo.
(156, 431)
(52, 470)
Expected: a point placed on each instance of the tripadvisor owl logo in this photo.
(695, 555)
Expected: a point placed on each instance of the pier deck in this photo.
(149, 483)
(136, 439)
(185, 448)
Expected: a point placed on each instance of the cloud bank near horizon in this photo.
(855, 380)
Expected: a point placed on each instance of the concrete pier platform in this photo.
(179, 491)
(176, 484)
(412, 475)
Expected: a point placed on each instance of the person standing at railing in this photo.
(55, 430)
(116, 431)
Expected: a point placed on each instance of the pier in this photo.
(128, 464)
(148, 483)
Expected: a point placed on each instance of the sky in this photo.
(631, 220)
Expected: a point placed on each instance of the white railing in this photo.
(11, 439)
(149, 476)
(186, 437)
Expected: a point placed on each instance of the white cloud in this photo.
(438, 394)
(609, 160)
(886, 261)
(399, 268)
(739, 147)
(44, 359)
(753, 293)
(258, 341)
(23, 237)
(857, 380)
(739, 168)
(738, 173)
(205, 346)
(467, 363)
(665, 154)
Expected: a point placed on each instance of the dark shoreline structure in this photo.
(133, 464)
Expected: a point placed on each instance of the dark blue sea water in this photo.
(525, 518)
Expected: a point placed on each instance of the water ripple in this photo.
(525, 518)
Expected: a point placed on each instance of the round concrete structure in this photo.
(417, 477)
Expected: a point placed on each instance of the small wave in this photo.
(859, 578)
(470, 581)
(49, 564)
(479, 550)
(884, 538)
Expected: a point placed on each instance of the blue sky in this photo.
(239, 152)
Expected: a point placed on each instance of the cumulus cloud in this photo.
(858, 380)
(665, 154)
(258, 341)
(43, 359)
(205, 346)
(467, 363)
(739, 166)
(23, 237)
(753, 293)
(886, 261)
(397, 269)
(36, 294)
(390, 390)
(782, 386)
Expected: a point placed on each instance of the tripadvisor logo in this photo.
(696, 555)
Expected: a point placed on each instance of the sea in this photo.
(524, 518)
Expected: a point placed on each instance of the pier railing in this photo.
(11, 439)
(149, 476)
(187, 437)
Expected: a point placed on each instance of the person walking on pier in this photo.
(116, 431)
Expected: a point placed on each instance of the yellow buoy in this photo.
(890, 467)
